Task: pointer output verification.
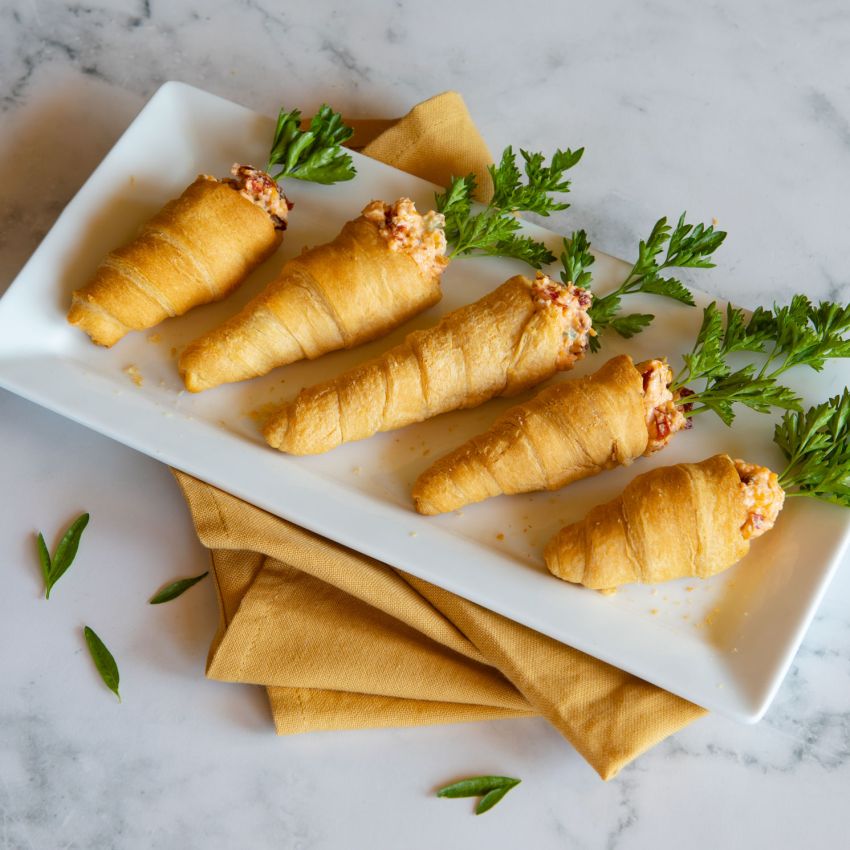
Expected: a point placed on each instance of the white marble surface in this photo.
(739, 111)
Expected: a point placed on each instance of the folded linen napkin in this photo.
(341, 641)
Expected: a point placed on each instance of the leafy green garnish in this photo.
(800, 334)
(52, 569)
(816, 444)
(173, 590)
(493, 230)
(491, 789)
(315, 154)
(576, 259)
(103, 661)
(688, 246)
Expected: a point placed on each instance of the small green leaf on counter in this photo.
(52, 569)
(492, 797)
(173, 590)
(103, 661)
(44, 561)
(491, 789)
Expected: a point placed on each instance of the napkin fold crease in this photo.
(341, 641)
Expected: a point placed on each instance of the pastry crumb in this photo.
(413, 534)
(261, 413)
(173, 350)
(356, 470)
(500, 536)
(154, 338)
(133, 374)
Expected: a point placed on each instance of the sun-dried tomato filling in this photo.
(664, 416)
(763, 498)
(260, 189)
(572, 303)
(405, 229)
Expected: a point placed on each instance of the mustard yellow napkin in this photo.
(341, 641)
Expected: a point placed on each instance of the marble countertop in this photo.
(734, 111)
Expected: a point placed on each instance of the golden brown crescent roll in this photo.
(671, 522)
(511, 339)
(196, 249)
(338, 295)
(570, 431)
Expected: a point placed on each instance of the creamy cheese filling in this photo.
(405, 229)
(762, 496)
(572, 304)
(663, 415)
(260, 189)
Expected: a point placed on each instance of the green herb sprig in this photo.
(175, 589)
(800, 334)
(493, 230)
(688, 246)
(491, 789)
(52, 569)
(314, 154)
(816, 444)
(103, 661)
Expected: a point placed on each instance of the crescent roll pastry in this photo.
(691, 519)
(515, 337)
(382, 269)
(569, 431)
(196, 249)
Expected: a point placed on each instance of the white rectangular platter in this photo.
(724, 643)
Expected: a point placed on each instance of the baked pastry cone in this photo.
(572, 430)
(382, 269)
(196, 249)
(691, 519)
(515, 337)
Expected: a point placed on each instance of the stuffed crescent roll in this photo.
(383, 268)
(513, 338)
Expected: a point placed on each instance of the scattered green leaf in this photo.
(103, 661)
(52, 569)
(491, 789)
(173, 590)
(492, 797)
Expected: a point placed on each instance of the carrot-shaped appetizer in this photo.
(512, 339)
(381, 270)
(546, 443)
(697, 519)
(199, 247)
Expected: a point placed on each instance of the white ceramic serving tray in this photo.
(724, 643)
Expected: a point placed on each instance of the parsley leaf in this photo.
(493, 230)
(314, 154)
(816, 443)
(576, 260)
(798, 334)
(688, 246)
